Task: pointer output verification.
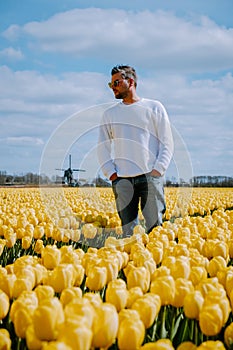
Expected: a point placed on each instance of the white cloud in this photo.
(24, 141)
(11, 53)
(158, 40)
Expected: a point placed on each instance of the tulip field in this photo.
(70, 281)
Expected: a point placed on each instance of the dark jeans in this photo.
(146, 190)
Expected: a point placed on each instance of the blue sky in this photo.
(55, 62)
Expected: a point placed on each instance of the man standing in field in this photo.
(135, 149)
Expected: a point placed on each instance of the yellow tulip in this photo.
(79, 274)
(182, 288)
(148, 307)
(4, 304)
(180, 268)
(93, 298)
(44, 292)
(131, 334)
(51, 256)
(193, 303)
(211, 345)
(80, 307)
(7, 284)
(55, 345)
(164, 286)
(38, 232)
(89, 231)
(27, 301)
(228, 335)
(26, 242)
(22, 320)
(112, 267)
(61, 277)
(47, 318)
(33, 343)
(96, 278)
(76, 335)
(161, 344)
(133, 294)
(197, 274)
(38, 246)
(216, 263)
(5, 341)
(211, 319)
(187, 345)
(139, 277)
(69, 294)
(117, 294)
(105, 326)
(128, 313)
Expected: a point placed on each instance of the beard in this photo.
(121, 95)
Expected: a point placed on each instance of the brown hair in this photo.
(126, 72)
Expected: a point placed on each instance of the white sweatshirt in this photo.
(134, 139)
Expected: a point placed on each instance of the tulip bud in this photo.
(47, 318)
(105, 326)
(161, 344)
(5, 341)
(193, 303)
(26, 242)
(131, 334)
(51, 256)
(148, 307)
(62, 277)
(33, 343)
(96, 278)
(187, 345)
(70, 294)
(4, 304)
(211, 319)
(80, 307)
(44, 292)
(139, 277)
(22, 320)
(164, 286)
(76, 335)
(117, 294)
(182, 288)
(228, 335)
(133, 294)
(38, 246)
(211, 345)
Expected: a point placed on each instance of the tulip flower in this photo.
(211, 319)
(187, 345)
(4, 304)
(7, 284)
(180, 268)
(96, 278)
(89, 231)
(55, 345)
(93, 298)
(69, 294)
(228, 335)
(211, 345)
(44, 292)
(216, 263)
(105, 326)
(61, 277)
(22, 320)
(111, 265)
(182, 288)
(27, 301)
(47, 318)
(76, 335)
(193, 303)
(197, 274)
(38, 246)
(51, 256)
(5, 341)
(164, 286)
(117, 294)
(26, 242)
(148, 307)
(139, 277)
(80, 307)
(133, 294)
(161, 344)
(131, 334)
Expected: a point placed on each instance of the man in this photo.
(135, 149)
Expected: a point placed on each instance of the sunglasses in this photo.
(116, 82)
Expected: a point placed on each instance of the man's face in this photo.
(119, 86)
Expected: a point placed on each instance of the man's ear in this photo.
(131, 82)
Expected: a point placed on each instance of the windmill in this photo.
(68, 173)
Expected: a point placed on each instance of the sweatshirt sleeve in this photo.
(165, 138)
(104, 151)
